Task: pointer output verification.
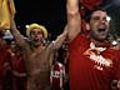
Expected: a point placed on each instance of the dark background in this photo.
(52, 14)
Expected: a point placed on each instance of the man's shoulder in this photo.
(81, 38)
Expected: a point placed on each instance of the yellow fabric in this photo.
(37, 26)
(7, 10)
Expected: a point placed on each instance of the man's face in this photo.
(36, 35)
(99, 25)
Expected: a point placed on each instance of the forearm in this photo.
(60, 39)
(73, 18)
(16, 33)
(17, 74)
(72, 7)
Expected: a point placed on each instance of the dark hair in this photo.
(88, 17)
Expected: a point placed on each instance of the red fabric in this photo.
(17, 63)
(91, 4)
(82, 71)
(20, 83)
(3, 68)
(57, 75)
(56, 78)
(3, 59)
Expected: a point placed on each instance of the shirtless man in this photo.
(37, 55)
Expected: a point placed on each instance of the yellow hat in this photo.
(37, 26)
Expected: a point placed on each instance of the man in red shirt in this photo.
(93, 63)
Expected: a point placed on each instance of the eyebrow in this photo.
(35, 31)
(97, 17)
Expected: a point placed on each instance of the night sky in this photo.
(52, 14)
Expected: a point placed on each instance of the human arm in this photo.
(60, 39)
(18, 37)
(73, 19)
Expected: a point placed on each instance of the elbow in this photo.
(72, 11)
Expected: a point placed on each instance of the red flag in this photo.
(91, 4)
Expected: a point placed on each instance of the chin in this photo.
(37, 44)
(102, 38)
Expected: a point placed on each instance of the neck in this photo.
(38, 45)
(98, 43)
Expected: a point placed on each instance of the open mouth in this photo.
(101, 30)
(36, 39)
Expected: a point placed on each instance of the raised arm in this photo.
(73, 18)
(60, 39)
(19, 38)
(55, 45)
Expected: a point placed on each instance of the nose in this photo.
(36, 34)
(102, 21)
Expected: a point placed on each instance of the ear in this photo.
(87, 26)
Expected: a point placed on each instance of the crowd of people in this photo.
(82, 57)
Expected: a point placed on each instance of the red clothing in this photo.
(91, 71)
(19, 72)
(57, 76)
(3, 55)
(91, 4)
(3, 68)
(17, 63)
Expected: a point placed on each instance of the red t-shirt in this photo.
(89, 70)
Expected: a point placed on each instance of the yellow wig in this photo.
(37, 26)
